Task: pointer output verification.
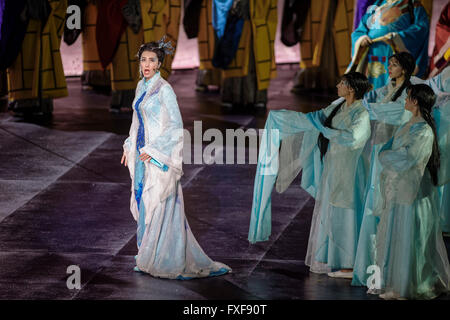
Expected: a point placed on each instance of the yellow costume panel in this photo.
(428, 5)
(91, 60)
(342, 33)
(159, 18)
(311, 42)
(125, 66)
(260, 30)
(264, 25)
(206, 36)
(323, 26)
(207, 73)
(39, 64)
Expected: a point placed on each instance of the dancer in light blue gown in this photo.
(387, 113)
(441, 113)
(327, 145)
(409, 248)
(153, 153)
(444, 212)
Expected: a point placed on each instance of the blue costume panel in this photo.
(404, 26)
(219, 15)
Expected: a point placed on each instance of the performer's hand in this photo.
(366, 41)
(124, 160)
(144, 157)
(388, 38)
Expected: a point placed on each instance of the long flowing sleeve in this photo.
(353, 136)
(405, 157)
(360, 31)
(391, 112)
(441, 116)
(375, 95)
(419, 30)
(166, 146)
(288, 127)
(128, 143)
(357, 36)
(441, 82)
(404, 162)
(414, 39)
(279, 124)
(299, 152)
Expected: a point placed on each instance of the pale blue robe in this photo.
(385, 117)
(410, 251)
(441, 115)
(166, 246)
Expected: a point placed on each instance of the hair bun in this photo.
(166, 46)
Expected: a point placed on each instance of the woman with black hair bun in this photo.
(153, 153)
(327, 146)
(411, 256)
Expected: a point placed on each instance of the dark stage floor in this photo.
(64, 201)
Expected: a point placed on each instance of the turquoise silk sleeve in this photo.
(280, 125)
(391, 112)
(404, 164)
(404, 157)
(353, 135)
(128, 143)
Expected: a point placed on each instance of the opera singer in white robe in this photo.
(153, 153)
